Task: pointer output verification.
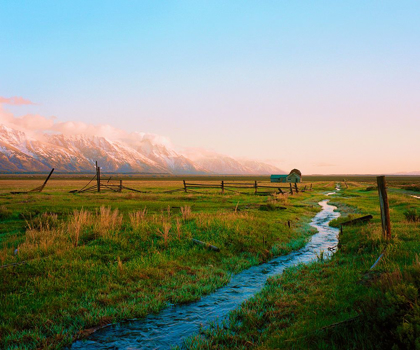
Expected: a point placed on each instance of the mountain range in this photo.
(20, 152)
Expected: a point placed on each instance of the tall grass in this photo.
(186, 212)
(165, 233)
(137, 218)
(97, 265)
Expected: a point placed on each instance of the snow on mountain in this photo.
(221, 164)
(20, 153)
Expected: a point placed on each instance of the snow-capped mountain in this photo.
(21, 153)
(221, 164)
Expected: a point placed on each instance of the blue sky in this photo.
(313, 85)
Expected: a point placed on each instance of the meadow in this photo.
(80, 261)
(342, 302)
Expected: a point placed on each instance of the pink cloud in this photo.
(30, 123)
(35, 125)
(16, 100)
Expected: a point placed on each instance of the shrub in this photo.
(411, 215)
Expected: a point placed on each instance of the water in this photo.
(177, 322)
(337, 188)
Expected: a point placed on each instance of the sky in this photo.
(323, 86)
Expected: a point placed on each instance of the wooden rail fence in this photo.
(102, 185)
(238, 187)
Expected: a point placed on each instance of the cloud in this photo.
(16, 100)
(29, 123)
(35, 126)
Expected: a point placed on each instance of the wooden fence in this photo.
(240, 187)
(104, 185)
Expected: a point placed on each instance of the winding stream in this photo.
(177, 322)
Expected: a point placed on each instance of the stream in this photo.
(178, 322)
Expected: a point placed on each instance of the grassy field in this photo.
(341, 303)
(93, 259)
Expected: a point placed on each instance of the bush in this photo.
(411, 215)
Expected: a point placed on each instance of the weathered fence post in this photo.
(185, 186)
(45, 182)
(255, 187)
(291, 188)
(98, 178)
(296, 188)
(310, 188)
(121, 186)
(383, 202)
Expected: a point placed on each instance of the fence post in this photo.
(223, 187)
(291, 188)
(121, 186)
(310, 187)
(383, 202)
(296, 188)
(255, 187)
(98, 178)
(185, 186)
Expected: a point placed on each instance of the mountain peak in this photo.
(78, 153)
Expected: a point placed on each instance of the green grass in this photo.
(94, 259)
(339, 303)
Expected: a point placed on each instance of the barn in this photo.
(294, 176)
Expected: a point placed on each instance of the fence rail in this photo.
(234, 186)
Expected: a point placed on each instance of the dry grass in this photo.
(77, 223)
(165, 233)
(282, 199)
(47, 235)
(137, 219)
(186, 212)
(109, 220)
